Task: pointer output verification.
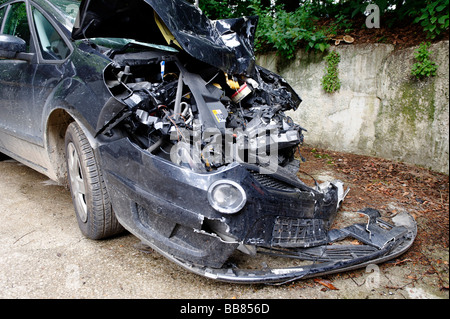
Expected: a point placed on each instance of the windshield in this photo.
(69, 7)
(63, 11)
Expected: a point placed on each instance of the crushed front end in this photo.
(219, 179)
(200, 161)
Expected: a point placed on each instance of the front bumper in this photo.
(322, 260)
(166, 206)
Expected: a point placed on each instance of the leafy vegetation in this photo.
(330, 81)
(434, 18)
(286, 31)
(287, 25)
(425, 67)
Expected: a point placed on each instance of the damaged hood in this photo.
(225, 44)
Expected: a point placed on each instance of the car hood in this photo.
(226, 44)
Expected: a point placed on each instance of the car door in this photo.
(53, 49)
(25, 87)
(16, 79)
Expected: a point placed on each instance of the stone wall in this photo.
(380, 110)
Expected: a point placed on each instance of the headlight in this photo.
(227, 197)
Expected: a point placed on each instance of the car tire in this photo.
(93, 209)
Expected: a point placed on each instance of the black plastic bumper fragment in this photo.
(326, 259)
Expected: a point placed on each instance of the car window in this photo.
(16, 22)
(2, 14)
(51, 43)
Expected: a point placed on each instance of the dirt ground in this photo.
(401, 34)
(393, 187)
(43, 254)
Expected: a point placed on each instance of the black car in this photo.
(162, 124)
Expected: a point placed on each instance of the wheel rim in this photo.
(77, 181)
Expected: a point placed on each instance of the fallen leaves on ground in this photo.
(325, 283)
(391, 187)
(388, 186)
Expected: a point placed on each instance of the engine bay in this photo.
(212, 118)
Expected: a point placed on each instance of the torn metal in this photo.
(198, 119)
(225, 44)
(198, 152)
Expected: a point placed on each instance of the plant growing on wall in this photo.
(424, 67)
(330, 81)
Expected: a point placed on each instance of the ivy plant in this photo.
(330, 81)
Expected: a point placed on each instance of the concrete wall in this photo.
(380, 110)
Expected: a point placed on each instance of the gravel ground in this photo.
(43, 255)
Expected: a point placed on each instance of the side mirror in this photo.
(12, 47)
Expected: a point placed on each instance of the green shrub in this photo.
(287, 31)
(330, 81)
(434, 18)
(424, 67)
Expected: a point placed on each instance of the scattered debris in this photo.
(346, 38)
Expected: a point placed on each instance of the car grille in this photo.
(298, 232)
(270, 182)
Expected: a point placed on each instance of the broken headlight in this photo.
(227, 197)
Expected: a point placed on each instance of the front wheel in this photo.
(95, 216)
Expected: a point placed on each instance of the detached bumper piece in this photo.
(381, 241)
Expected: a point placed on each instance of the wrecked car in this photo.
(161, 123)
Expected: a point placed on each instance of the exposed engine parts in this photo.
(212, 118)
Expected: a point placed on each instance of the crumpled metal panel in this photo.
(225, 44)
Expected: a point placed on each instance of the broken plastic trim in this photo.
(383, 241)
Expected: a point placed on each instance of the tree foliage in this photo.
(286, 31)
(287, 24)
